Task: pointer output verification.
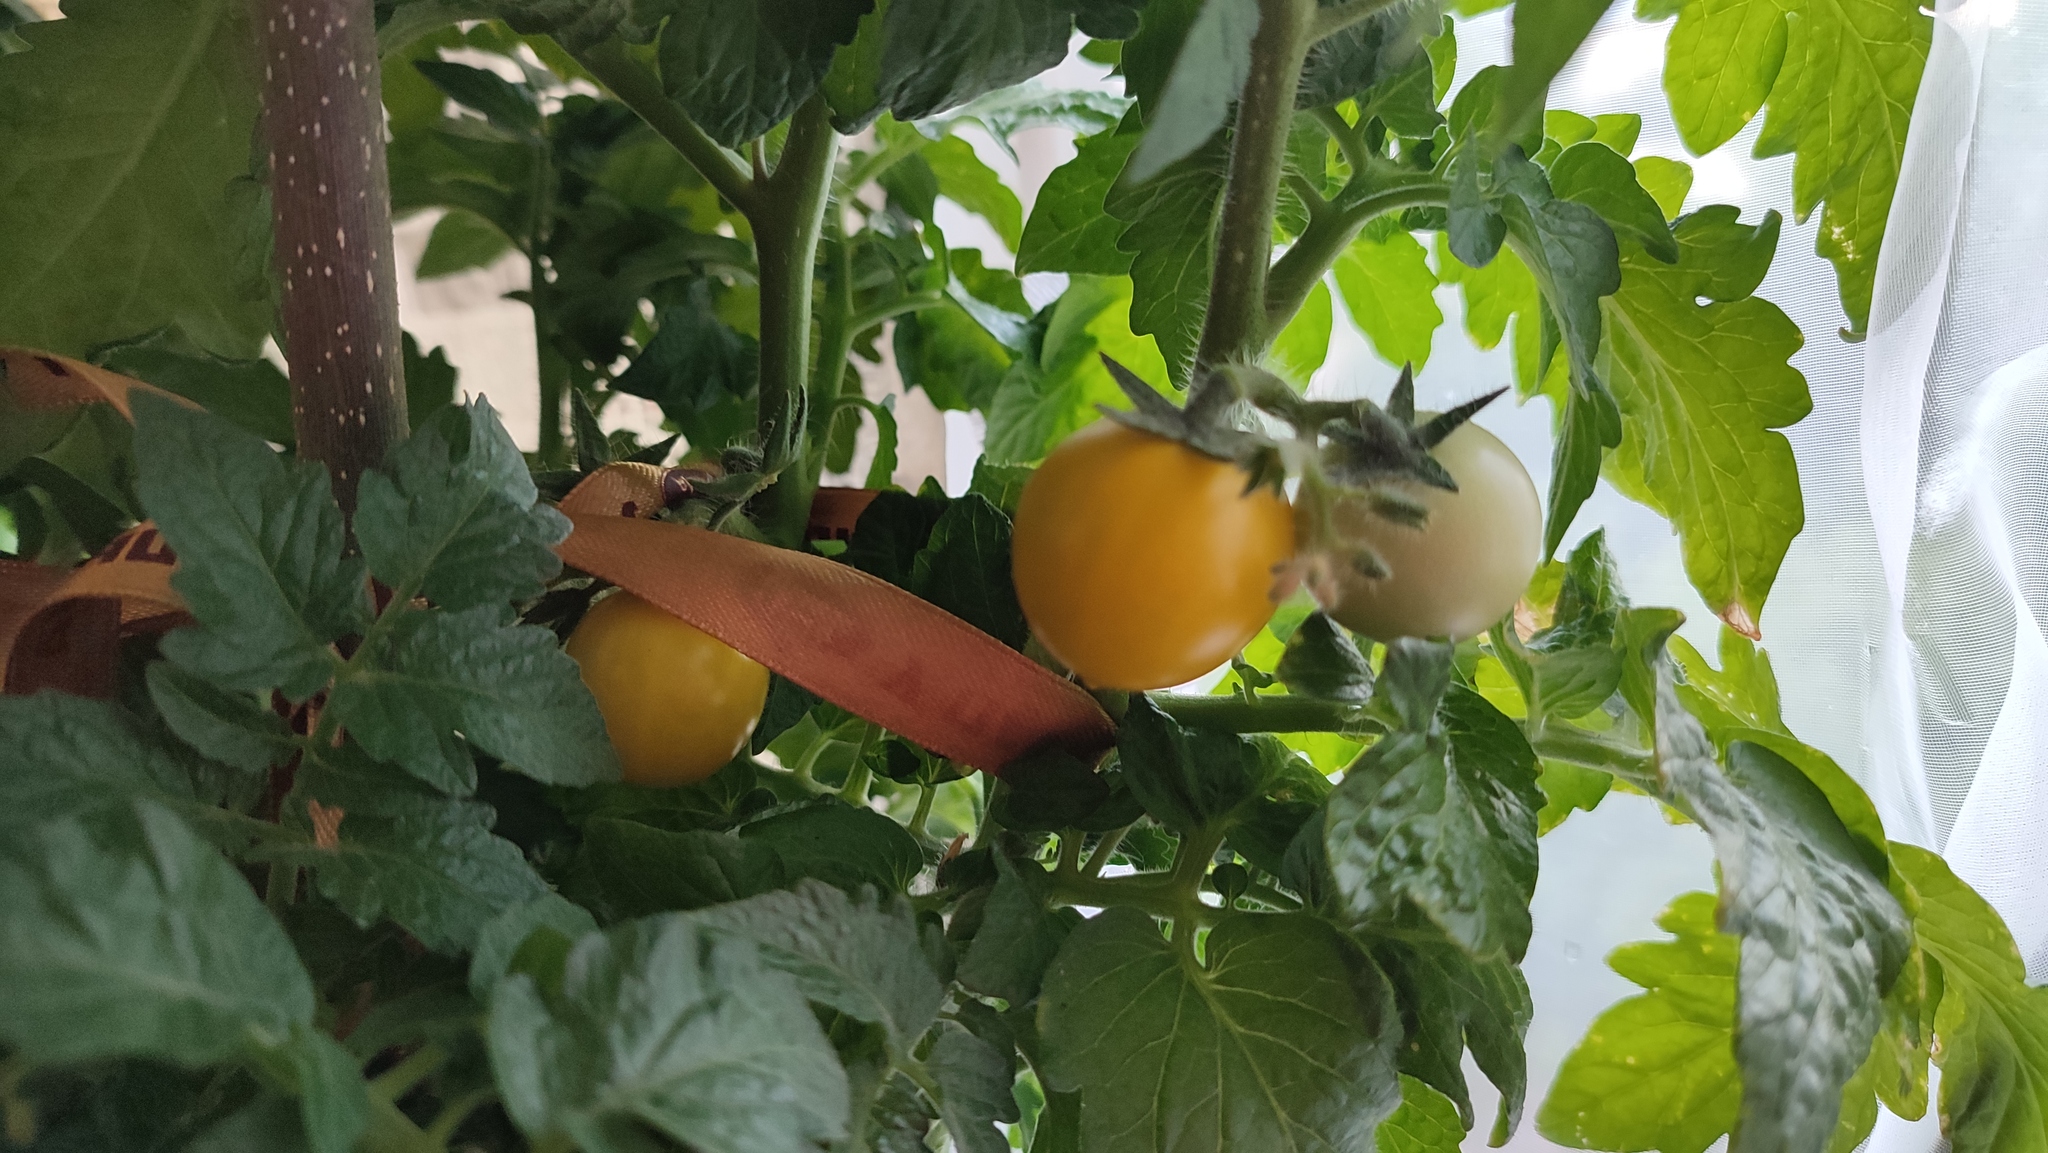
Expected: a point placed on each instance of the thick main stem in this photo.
(1234, 329)
(331, 216)
(787, 218)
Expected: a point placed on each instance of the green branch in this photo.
(1234, 330)
(641, 91)
(1274, 714)
(1295, 274)
(1350, 141)
(788, 218)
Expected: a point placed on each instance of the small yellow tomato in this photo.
(1464, 570)
(1142, 563)
(677, 702)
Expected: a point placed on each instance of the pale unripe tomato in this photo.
(1467, 567)
(1142, 563)
(677, 702)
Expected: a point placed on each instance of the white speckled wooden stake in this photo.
(331, 208)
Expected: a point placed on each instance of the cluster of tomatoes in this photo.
(1140, 563)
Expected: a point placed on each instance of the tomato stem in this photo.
(405, 1076)
(924, 809)
(1234, 329)
(855, 790)
(1104, 851)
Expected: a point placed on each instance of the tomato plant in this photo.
(329, 843)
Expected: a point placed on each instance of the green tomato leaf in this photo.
(259, 544)
(966, 181)
(1547, 32)
(252, 393)
(1666, 180)
(700, 371)
(227, 726)
(1602, 179)
(1440, 815)
(1390, 292)
(644, 870)
(508, 106)
(1657, 1071)
(1993, 1026)
(74, 757)
(859, 955)
(1840, 81)
(127, 935)
(428, 863)
(1189, 779)
(1054, 389)
(1171, 235)
(740, 67)
(665, 1024)
(334, 1104)
(1568, 788)
(1742, 693)
(1380, 60)
(1068, 230)
(1822, 939)
(508, 690)
(1020, 934)
(1321, 660)
(124, 199)
(948, 354)
(1304, 343)
(461, 240)
(513, 936)
(964, 568)
(1501, 292)
(841, 845)
(1214, 59)
(1449, 1002)
(974, 1080)
(1279, 1034)
(940, 54)
(1702, 387)
(1570, 669)
(1572, 255)
(454, 515)
(1426, 1122)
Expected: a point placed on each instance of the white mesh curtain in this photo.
(1955, 424)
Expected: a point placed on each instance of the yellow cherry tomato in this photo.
(677, 702)
(1142, 563)
(1462, 571)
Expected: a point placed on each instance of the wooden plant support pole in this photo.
(331, 213)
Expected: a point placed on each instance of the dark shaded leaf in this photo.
(1279, 1034)
(665, 1024)
(1019, 936)
(841, 845)
(644, 870)
(259, 544)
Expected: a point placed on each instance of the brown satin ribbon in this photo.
(858, 642)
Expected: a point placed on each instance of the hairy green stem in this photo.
(1350, 141)
(391, 1131)
(281, 886)
(640, 90)
(1234, 329)
(1070, 853)
(1274, 714)
(1104, 851)
(1295, 274)
(454, 1113)
(855, 790)
(787, 221)
(924, 809)
(404, 1077)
